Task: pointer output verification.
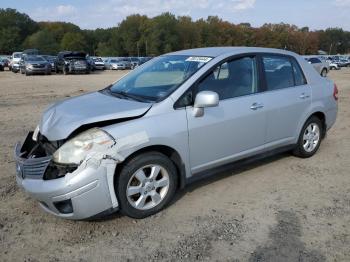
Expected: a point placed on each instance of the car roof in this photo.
(217, 51)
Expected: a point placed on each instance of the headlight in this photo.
(75, 150)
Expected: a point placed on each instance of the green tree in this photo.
(44, 41)
(14, 28)
(74, 42)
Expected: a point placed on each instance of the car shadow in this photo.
(232, 169)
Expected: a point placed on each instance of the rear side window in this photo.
(314, 60)
(278, 72)
(298, 74)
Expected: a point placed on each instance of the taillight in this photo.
(335, 92)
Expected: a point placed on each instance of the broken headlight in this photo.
(75, 150)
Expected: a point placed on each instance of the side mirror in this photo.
(204, 99)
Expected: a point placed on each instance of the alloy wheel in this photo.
(147, 187)
(311, 137)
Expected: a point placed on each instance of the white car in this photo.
(320, 66)
(98, 63)
(333, 66)
(14, 65)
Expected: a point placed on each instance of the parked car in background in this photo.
(98, 63)
(115, 64)
(6, 62)
(135, 62)
(144, 60)
(126, 61)
(14, 64)
(333, 66)
(321, 67)
(52, 60)
(72, 62)
(130, 146)
(2, 65)
(34, 64)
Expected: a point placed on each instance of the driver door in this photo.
(237, 126)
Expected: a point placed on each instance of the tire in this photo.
(324, 72)
(27, 73)
(301, 149)
(155, 198)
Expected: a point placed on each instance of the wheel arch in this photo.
(168, 151)
(320, 115)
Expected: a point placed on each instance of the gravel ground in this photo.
(278, 209)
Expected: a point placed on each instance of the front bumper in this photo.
(41, 70)
(84, 193)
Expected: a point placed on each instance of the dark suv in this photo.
(72, 62)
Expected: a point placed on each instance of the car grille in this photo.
(35, 167)
(30, 167)
(38, 66)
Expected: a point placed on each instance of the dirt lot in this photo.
(279, 209)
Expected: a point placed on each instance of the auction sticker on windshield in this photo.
(200, 59)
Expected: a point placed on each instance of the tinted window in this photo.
(232, 79)
(314, 60)
(298, 74)
(278, 72)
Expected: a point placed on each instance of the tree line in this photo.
(139, 35)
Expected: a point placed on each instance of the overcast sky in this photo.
(90, 14)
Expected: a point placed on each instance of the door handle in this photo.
(304, 96)
(256, 106)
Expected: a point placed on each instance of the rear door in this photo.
(288, 98)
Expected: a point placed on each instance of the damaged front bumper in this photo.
(83, 192)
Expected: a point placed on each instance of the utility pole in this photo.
(138, 49)
(146, 49)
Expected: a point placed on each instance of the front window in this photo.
(159, 78)
(34, 59)
(232, 79)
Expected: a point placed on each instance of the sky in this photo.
(90, 14)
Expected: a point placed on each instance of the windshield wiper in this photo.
(130, 96)
(124, 95)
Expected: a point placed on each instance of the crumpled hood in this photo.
(62, 118)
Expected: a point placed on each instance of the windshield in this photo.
(160, 77)
(34, 58)
(97, 59)
(17, 55)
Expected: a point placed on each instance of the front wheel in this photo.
(310, 138)
(146, 184)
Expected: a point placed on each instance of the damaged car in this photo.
(69, 62)
(171, 121)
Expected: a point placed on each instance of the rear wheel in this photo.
(146, 184)
(310, 138)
